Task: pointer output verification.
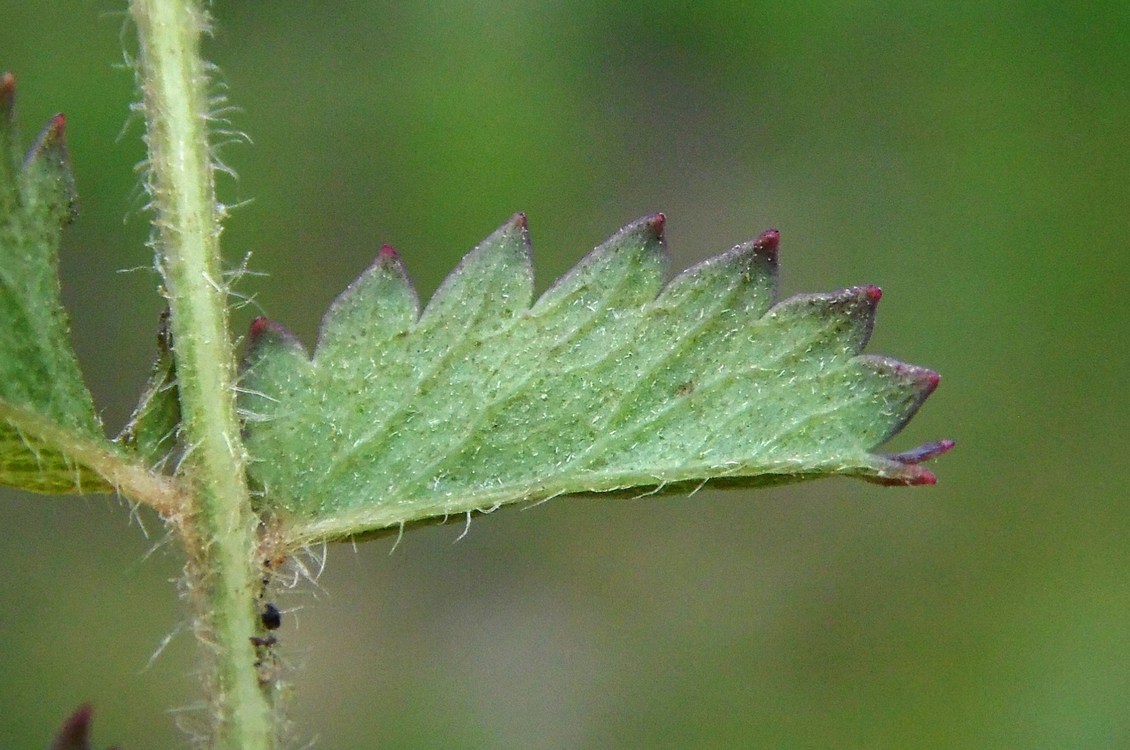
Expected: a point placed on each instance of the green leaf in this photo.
(609, 381)
(152, 429)
(47, 418)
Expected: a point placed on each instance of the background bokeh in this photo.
(973, 159)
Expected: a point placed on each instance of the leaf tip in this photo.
(388, 254)
(388, 261)
(7, 101)
(904, 469)
(263, 329)
(259, 327)
(933, 379)
(7, 91)
(925, 380)
(266, 334)
(920, 477)
(767, 243)
(922, 453)
(48, 158)
(74, 734)
(909, 475)
(655, 224)
(873, 294)
(51, 139)
(518, 226)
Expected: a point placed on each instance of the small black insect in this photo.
(271, 617)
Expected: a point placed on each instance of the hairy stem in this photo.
(221, 526)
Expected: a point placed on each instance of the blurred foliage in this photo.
(970, 158)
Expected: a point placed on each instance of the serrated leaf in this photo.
(47, 416)
(608, 381)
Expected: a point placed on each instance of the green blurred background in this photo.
(970, 158)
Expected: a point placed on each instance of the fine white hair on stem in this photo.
(166, 639)
(299, 569)
(191, 719)
(235, 275)
(167, 537)
(188, 450)
(252, 392)
(135, 517)
(219, 120)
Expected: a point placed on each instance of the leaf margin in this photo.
(858, 302)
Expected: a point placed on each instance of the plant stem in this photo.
(220, 532)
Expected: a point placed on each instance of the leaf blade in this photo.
(610, 380)
(153, 428)
(41, 387)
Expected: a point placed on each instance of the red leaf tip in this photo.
(7, 85)
(655, 224)
(260, 325)
(75, 732)
(922, 477)
(910, 476)
(925, 380)
(768, 241)
(873, 294)
(518, 221)
(58, 122)
(387, 253)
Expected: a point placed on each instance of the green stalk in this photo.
(220, 531)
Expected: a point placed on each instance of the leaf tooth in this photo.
(626, 270)
(49, 139)
(274, 370)
(904, 469)
(7, 112)
(921, 453)
(856, 300)
(378, 305)
(902, 475)
(8, 116)
(7, 97)
(767, 242)
(264, 334)
(9, 157)
(47, 182)
(840, 320)
(915, 384)
(152, 428)
(922, 379)
(492, 283)
(74, 734)
(742, 279)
